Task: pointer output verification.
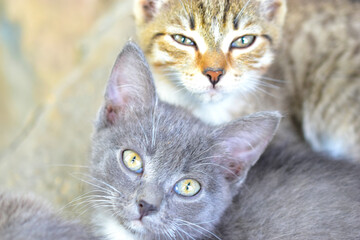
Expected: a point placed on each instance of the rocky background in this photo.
(55, 58)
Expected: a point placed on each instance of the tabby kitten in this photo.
(160, 173)
(25, 217)
(211, 56)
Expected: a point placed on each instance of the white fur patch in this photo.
(215, 29)
(163, 57)
(111, 229)
(201, 104)
(266, 60)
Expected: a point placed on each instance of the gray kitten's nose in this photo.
(145, 208)
(214, 75)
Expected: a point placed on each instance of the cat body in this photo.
(320, 60)
(158, 172)
(292, 193)
(25, 217)
(223, 59)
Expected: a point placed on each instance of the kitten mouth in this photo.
(140, 227)
(213, 92)
(212, 95)
(137, 225)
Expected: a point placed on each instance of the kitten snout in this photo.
(146, 209)
(214, 75)
(148, 200)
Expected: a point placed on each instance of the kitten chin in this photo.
(109, 226)
(217, 111)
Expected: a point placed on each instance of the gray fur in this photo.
(25, 217)
(290, 193)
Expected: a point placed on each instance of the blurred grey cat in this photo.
(160, 173)
(25, 217)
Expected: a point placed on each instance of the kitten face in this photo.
(210, 48)
(159, 171)
(164, 169)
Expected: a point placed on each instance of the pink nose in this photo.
(214, 75)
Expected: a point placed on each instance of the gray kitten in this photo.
(25, 217)
(160, 173)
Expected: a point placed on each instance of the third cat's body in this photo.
(319, 58)
(27, 217)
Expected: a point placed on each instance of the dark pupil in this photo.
(183, 39)
(133, 159)
(187, 186)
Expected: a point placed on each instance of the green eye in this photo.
(183, 40)
(187, 187)
(133, 161)
(243, 42)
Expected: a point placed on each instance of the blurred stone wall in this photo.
(55, 57)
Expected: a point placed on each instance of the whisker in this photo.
(69, 165)
(218, 165)
(181, 230)
(264, 91)
(102, 182)
(241, 11)
(206, 150)
(271, 79)
(198, 226)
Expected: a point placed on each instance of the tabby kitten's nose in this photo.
(214, 75)
(145, 208)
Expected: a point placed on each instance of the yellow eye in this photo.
(187, 187)
(183, 40)
(243, 42)
(133, 161)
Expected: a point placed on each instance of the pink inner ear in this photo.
(272, 11)
(118, 93)
(243, 154)
(236, 169)
(110, 114)
(148, 7)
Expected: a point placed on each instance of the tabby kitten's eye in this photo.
(183, 40)
(243, 42)
(187, 187)
(133, 161)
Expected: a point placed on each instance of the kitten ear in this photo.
(243, 141)
(145, 10)
(273, 10)
(130, 84)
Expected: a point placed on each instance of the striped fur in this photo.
(316, 51)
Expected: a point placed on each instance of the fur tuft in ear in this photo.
(130, 85)
(145, 10)
(243, 141)
(273, 10)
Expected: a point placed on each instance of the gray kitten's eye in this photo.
(133, 161)
(187, 187)
(183, 40)
(243, 42)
